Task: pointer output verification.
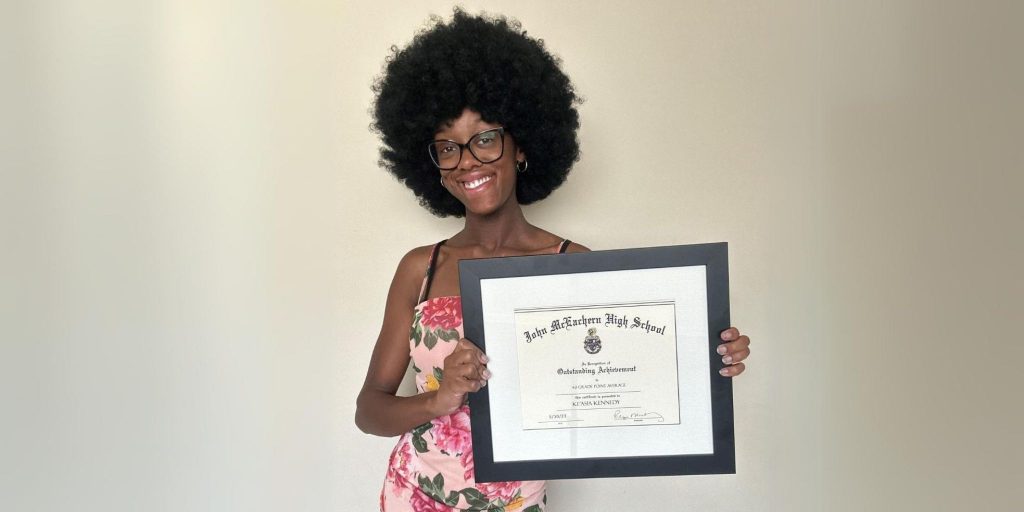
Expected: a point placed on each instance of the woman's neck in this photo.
(492, 233)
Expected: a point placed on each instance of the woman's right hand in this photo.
(465, 371)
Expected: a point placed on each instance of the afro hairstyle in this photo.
(487, 64)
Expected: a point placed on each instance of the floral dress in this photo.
(431, 467)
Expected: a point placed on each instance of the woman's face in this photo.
(482, 187)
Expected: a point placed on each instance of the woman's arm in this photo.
(378, 410)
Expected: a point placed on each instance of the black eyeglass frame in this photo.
(463, 147)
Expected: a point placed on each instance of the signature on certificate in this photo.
(638, 416)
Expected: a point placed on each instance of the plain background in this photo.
(197, 242)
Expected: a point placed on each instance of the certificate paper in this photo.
(598, 365)
(603, 364)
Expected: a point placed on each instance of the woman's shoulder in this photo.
(410, 274)
(549, 240)
(571, 247)
(417, 259)
(575, 247)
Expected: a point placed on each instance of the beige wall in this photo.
(198, 242)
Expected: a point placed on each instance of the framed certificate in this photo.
(603, 364)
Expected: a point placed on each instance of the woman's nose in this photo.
(468, 160)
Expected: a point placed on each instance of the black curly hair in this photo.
(487, 64)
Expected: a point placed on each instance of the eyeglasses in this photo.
(486, 146)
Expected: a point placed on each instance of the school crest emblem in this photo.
(592, 343)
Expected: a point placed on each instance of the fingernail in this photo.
(721, 349)
(487, 374)
(484, 358)
(727, 359)
(723, 372)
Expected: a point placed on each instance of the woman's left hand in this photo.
(736, 349)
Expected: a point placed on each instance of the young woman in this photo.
(477, 119)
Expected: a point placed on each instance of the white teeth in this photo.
(470, 185)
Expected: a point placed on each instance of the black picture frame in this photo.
(712, 256)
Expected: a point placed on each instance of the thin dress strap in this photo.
(429, 276)
(565, 246)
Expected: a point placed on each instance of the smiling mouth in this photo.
(470, 185)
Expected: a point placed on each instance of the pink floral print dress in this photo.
(431, 467)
